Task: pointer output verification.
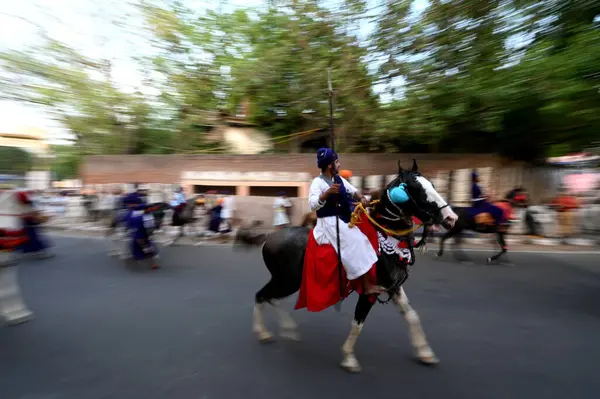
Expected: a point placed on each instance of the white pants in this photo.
(358, 255)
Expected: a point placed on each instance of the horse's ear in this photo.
(415, 167)
(399, 167)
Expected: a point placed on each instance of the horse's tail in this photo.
(246, 237)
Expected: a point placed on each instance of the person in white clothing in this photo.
(329, 196)
(227, 210)
(281, 206)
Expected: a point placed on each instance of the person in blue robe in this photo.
(480, 204)
(140, 223)
(36, 245)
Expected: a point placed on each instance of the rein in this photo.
(356, 218)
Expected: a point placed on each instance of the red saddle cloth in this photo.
(506, 208)
(11, 239)
(320, 287)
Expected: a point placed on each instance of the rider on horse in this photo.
(330, 196)
(482, 207)
(133, 199)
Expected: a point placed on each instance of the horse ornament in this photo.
(297, 263)
(15, 206)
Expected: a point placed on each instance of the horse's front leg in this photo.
(417, 337)
(363, 307)
(422, 244)
(447, 235)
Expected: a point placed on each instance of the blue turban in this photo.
(474, 175)
(325, 157)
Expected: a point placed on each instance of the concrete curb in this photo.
(472, 239)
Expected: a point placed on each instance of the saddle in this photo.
(320, 286)
(484, 219)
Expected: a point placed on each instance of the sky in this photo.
(83, 24)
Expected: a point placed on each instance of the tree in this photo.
(15, 160)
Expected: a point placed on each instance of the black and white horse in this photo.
(283, 253)
(186, 217)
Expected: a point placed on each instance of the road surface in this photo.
(103, 331)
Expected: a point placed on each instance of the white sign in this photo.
(247, 176)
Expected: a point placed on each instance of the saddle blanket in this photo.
(320, 287)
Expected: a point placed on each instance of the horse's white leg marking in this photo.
(12, 307)
(258, 324)
(349, 362)
(123, 245)
(287, 323)
(417, 336)
(116, 240)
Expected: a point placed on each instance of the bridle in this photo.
(397, 214)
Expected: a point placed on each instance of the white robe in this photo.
(228, 207)
(358, 256)
(281, 218)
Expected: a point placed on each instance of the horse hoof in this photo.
(290, 335)
(430, 360)
(21, 317)
(351, 365)
(489, 261)
(266, 338)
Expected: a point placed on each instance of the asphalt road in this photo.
(103, 331)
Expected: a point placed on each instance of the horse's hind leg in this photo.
(417, 336)
(286, 322)
(178, 235)
(363, 307)
(270, 293)
(459, 255)
(503, 248)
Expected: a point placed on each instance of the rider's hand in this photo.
(333, 189)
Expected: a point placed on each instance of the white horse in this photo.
(14, 205)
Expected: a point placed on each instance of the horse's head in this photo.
(411, 194)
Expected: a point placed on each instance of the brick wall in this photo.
(168, 168)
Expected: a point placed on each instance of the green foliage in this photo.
(14, 160)
(66, 162)
(468, 90)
